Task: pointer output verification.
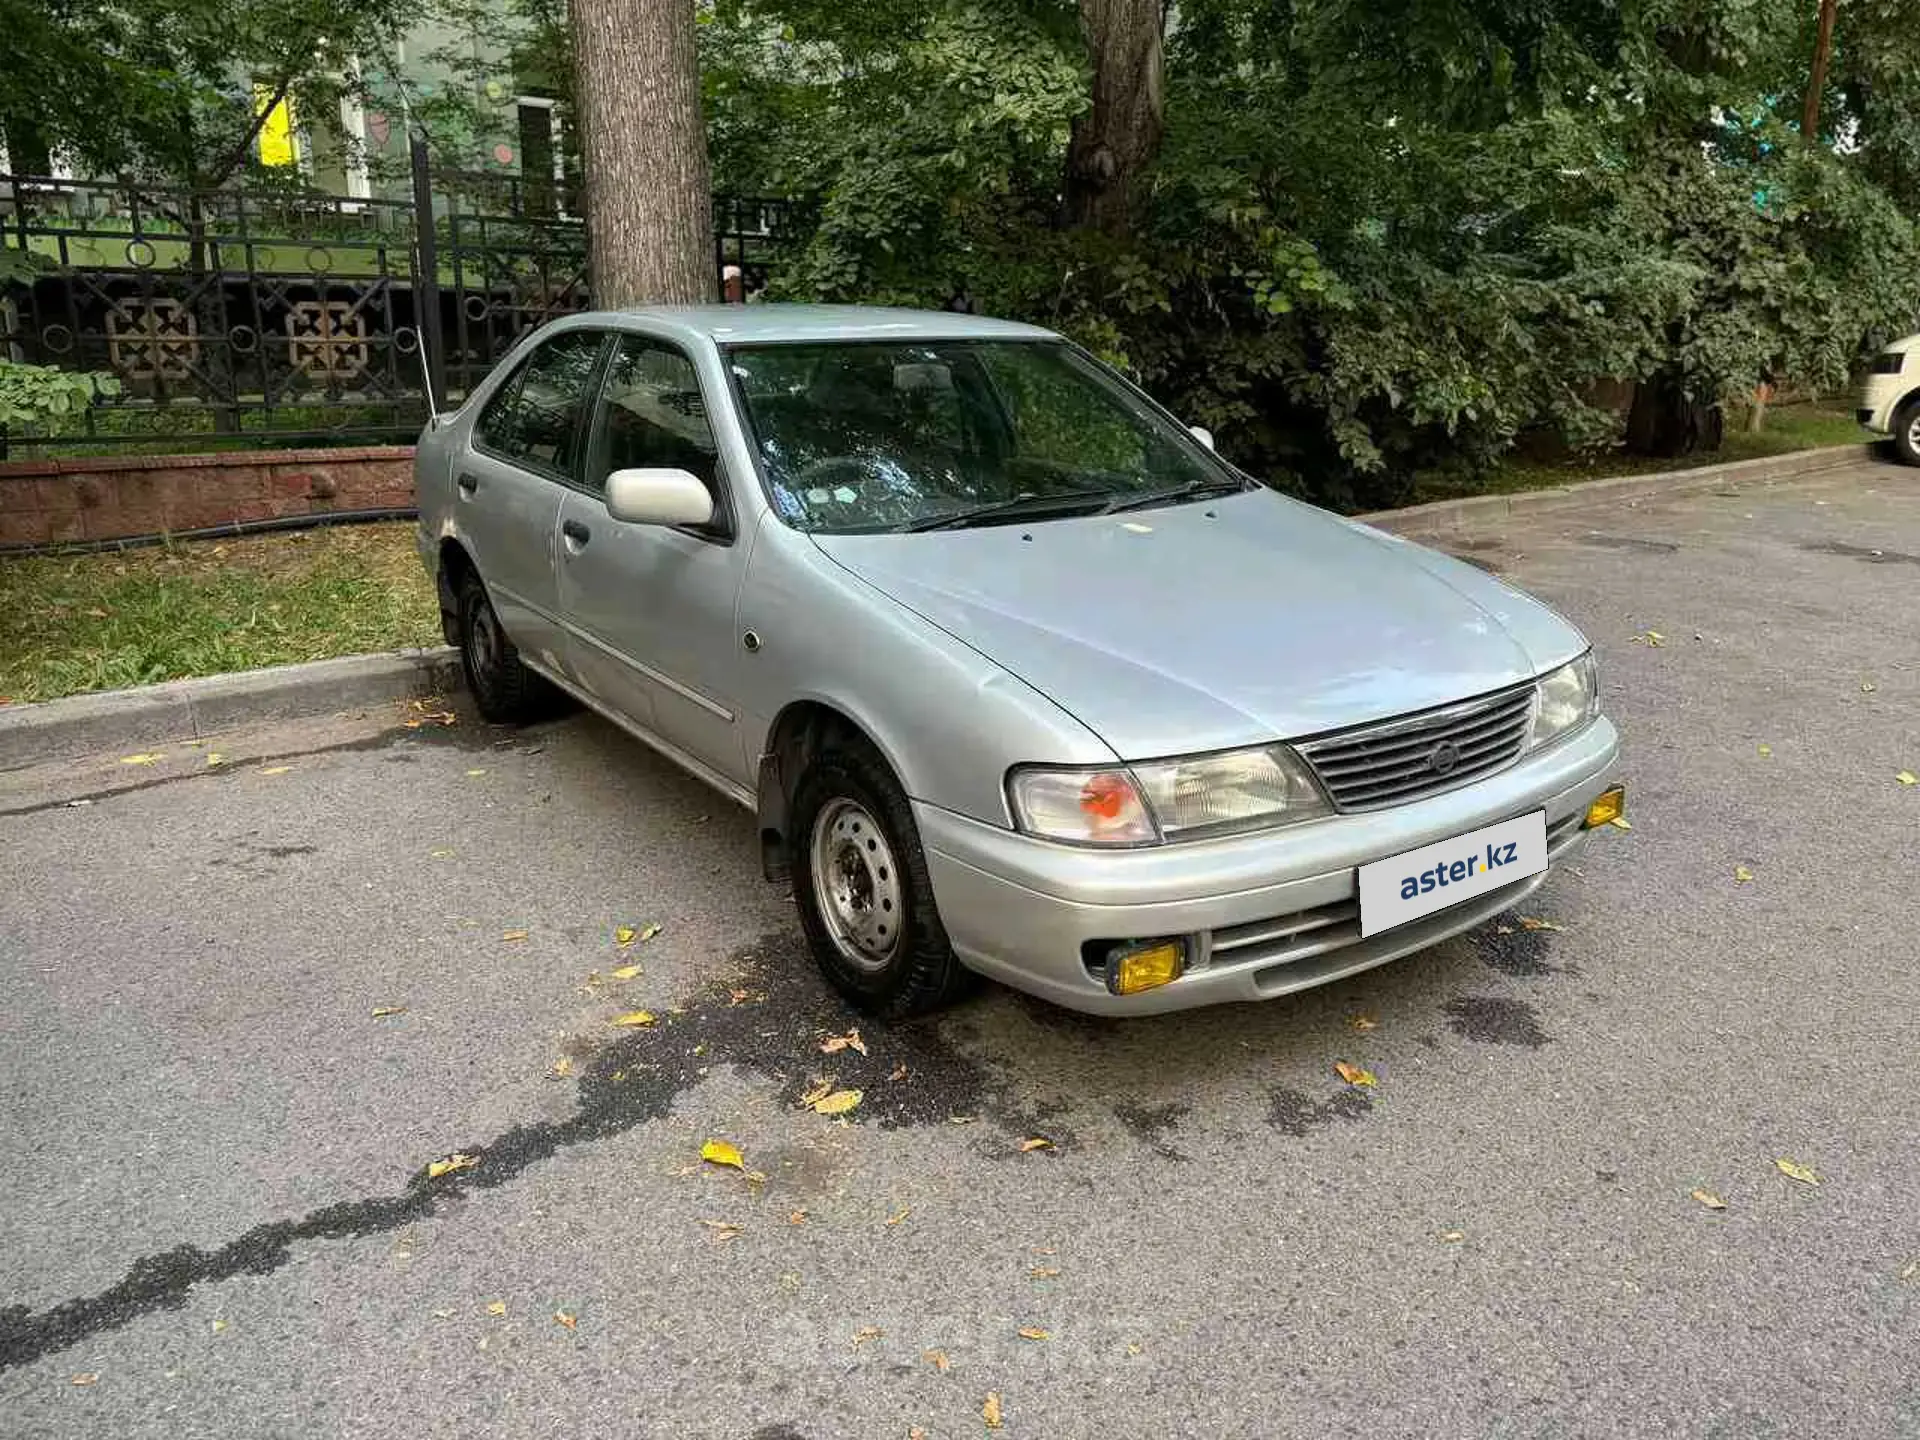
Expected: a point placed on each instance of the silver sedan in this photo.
(1018, 676)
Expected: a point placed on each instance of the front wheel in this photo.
(1906, 432)
(860, 881)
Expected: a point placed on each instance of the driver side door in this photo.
(649, 609)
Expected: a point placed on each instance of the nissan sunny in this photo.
(1018, 676)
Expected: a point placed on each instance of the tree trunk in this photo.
(1822, 50)
(649, 197)
(1113, 141)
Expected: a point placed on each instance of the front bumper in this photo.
(1264, 915)
(1879, 397)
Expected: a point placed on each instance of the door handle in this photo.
(468, 484)
(576, 534)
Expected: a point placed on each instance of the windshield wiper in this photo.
(1027, 503)
(1186, 491)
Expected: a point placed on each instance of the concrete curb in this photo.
(1477, 513)
(193, 709)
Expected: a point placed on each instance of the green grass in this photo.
(1804, 426)
(122, 618)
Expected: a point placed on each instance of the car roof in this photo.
(771, 323)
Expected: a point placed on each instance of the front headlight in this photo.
(1569, 697)
(1187, 799)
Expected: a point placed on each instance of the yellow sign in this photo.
(278, 144)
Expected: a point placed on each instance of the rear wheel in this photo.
(505, 690)
(860, 881)
(1906, 432)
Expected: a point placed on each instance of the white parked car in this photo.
(1890, 400)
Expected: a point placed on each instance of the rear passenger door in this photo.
(526, 445)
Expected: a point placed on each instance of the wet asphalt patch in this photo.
(1495, 1020)
(1862, 553)
(1293, 1112)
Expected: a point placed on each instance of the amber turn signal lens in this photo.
(1606, 808)
(1145, 967)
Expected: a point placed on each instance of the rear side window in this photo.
(538, 418)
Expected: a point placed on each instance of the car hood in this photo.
(1201, 626)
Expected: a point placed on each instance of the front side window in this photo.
(651, 416)
(537, 418)
(863, 436)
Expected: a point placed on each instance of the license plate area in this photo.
(1418, 882)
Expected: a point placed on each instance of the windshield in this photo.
(861, 436)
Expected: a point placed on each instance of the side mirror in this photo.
(658, 497)
(1202, 434)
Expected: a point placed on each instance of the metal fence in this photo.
(295, 317)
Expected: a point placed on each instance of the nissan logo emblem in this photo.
(1443, 757)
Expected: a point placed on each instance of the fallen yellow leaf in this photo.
(472, 773)
(937, 1358)
(444, 1312)
(1867, 687)
(838, 1103)
(722, 1229)
(990, 1412)
(623, 934)
(1912, 1269)
(1619, 822)
(634, 1017)
(453, 1162)
(899, 1215)
(1528, 922)
(1033, 1332)
(834, 1044)
(276, 769)
(1794, 1171)
(562, 1068)
(1043, 1272)
(647, 932)
(218, 1326)
(1650, 637)
(214, 757)
(796, 1217)
(625, 972)
(87, 1377)
(436, 854)
(1907, 777)
(497, 1307)
(1741, 874)
(1453, 1237)
(899, 1072)
(567, 1319)
(382, 1010)
(1032, 1142)
(1354, 1074)
(143, 758)
(1709, 1199)
(513, 934)
(722, 1152)
(1766, 750)
(866, 1333)
(1363, 1022)
(914, 1432)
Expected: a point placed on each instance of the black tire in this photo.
(921, 974)
(1906, 431)
(506, 691)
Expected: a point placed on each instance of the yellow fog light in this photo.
(1608, 806)
(1131, 969)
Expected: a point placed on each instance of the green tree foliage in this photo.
(1378, 233)
(164, 89)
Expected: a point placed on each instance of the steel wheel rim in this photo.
(485, 642)
(1913, 434)
(856, 884)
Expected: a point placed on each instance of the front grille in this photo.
(1415, 756)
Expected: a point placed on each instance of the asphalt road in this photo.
(215, 1218)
